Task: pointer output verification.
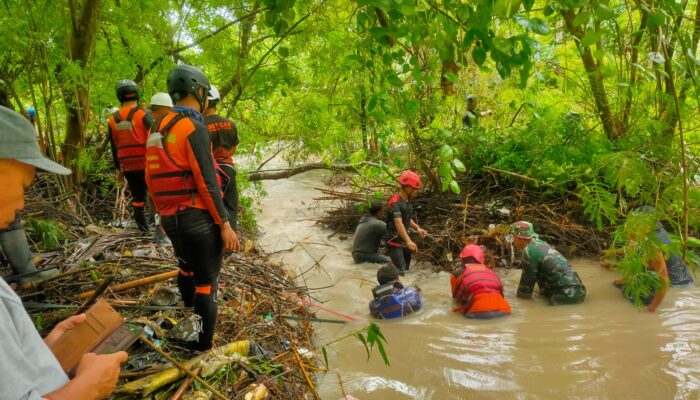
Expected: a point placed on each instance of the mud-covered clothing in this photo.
(141, 125)
(29, 369)
(187, 145)
(678, 273)
(199, 248)
(367, 239)
(224, 137)
(554, 275)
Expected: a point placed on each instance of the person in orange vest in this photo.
(399, 218)
(186, 189)
(128, 131)
(224, 140)
(477, 290)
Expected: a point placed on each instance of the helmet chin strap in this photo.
(201, 100)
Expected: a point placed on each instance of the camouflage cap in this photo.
(523, 230)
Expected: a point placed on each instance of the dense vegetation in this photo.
(595, 98)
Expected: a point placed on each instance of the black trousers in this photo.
(136, 182)
(199, 249)
(401, 257)
(231, 194)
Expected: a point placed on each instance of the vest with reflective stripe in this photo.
(131, 150)
(475, 279)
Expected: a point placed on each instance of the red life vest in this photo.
(476, 278)
(169, 184)
(131, 150)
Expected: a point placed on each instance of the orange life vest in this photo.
(169, 184)
(131, 149)
(476, 278)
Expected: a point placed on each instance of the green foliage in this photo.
(46, 233)
(370, 337)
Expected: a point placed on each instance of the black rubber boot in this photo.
(140, 218)
(205, 305)
(16, 248)
(186, 286)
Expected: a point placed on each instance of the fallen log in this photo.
(287, 173)
(135, 283)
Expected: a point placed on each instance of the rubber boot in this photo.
(16, 248)
(205, 305)
(140, 218)
(186, 286)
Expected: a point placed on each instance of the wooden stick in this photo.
(185, 385)
(101, 289)
(182, 368)
(303, 371)
(135, 283)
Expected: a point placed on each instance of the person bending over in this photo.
(400, 219)
(477, 289)
(368, 236)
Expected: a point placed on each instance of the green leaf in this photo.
(581, 18)
(393, 79)
(445, 170)
(548, 10)
(454, 186)
(536, 25)
(479, 55)
(451, 76)
(372, 103)
(446, 152)
(590, 38)
(283, 51)
(364, 342)
(325, 356)
(656, 19)
(458, 165)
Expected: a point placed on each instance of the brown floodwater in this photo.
(601, 349)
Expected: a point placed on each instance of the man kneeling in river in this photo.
(554, 275)
(368, 236)
(476, 288)
(391, 298)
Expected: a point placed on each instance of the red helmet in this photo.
(474, 251)
(410, 178)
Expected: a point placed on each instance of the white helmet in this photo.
(161, 99)
(213, 93)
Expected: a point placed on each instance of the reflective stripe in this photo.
(203, 289)
(185, 273)
(138, 203)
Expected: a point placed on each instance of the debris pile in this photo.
(481, 214)
(263, 336)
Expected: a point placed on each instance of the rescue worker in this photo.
(471, 117)
(128, 132)
(161, 104)
(185, 188)
(391, 298)
(224, 140)
(29, 369)
(477, 289)
(368, 236)
(545, 266)
(400, 219)
(671, 271)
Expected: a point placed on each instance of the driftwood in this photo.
(273, 174)
(135, 283)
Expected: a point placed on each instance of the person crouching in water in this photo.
(368, 236)
(557, 279)
(391, 298)
(477, 290)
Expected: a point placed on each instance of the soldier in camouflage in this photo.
(554, 275)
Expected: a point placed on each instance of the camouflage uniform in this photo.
(556, 278)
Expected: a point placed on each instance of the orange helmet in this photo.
(410, 178)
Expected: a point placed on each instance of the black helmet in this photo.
(186, 79)
(127, 90)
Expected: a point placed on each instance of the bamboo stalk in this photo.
(135, 283)
(303, 371)
(185, 385)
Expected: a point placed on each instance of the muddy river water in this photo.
(601, 349)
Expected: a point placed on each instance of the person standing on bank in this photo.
(471, 117)
(128, 132)
(368, 236)
(400, 219)
(545, 266)
(185, 186)
(224, 140)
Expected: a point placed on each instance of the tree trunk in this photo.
(76, 97)
(595, 78)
